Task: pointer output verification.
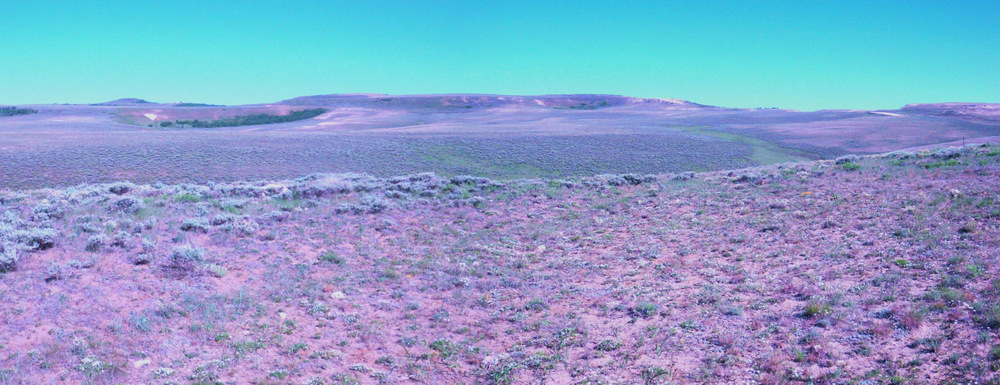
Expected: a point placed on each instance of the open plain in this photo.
(485, 135)
(598, 240)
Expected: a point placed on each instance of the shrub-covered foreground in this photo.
(866, 269)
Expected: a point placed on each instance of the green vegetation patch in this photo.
(851, 166)
(943, 163)
(14, 111)
(253, 120)
(764, 152)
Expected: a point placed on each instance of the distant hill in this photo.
(496, 136)
(184, 104)
(973, 111)
(124, 102)
(478, 101)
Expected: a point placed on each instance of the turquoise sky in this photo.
(789, 54)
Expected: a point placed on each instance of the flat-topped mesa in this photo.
(124, 102)
(952, 105)
(458, 102)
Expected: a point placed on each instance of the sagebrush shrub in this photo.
(684, 176)
(274, 216)
(318, 185)
(195, 224)
(222, 219)
(900, 154)
(57, 271)
(185, 258)
(216, 270)
(374, 204)
(35, 239)
(127, 205)
(747, 177)
(8, 258)
(847, 159)
(120, 188)
(140, 259)
(370, 204)
(477, 202)
(636, 179)
(947, 153)
(471, 180)
(46, 211)
(121, 239)
(148, 245)
(96, 242)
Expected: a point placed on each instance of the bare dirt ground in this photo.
(860, 270)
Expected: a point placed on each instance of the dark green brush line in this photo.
(14, 111)
(253, 120)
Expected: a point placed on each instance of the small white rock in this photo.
(141, 363)
(282, 315)
(338, 295)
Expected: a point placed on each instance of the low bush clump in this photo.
(608, 345)
(816, 308)
(8, 258)
(644, 310)
(900, 154)
(946, 153)
(34, 239)
(943, 163)
(369, 205)
(331, 257)
(120, 188)
(185, 259)
(851, 166)
(217, 271)
(223, 219)
(127, 205)
(140, 259)
(46, 211)
(684, 176)
(96, 242)
(195, 225)
(847, 159)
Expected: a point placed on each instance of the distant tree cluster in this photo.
(14, 111)
(253, 120)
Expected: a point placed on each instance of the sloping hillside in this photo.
(873, 269)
